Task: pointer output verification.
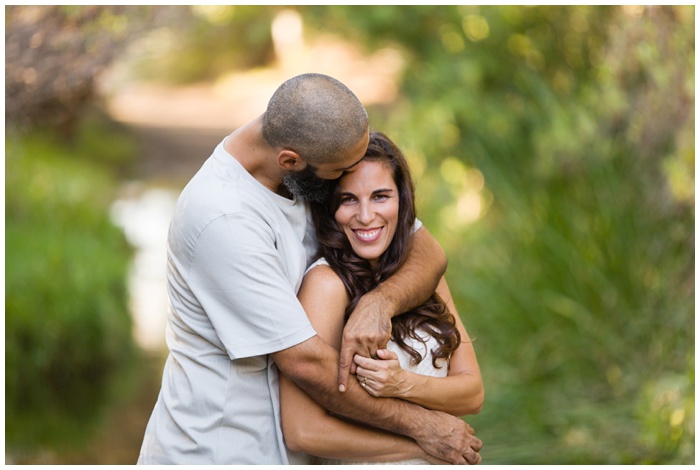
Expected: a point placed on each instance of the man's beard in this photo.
(306, 184)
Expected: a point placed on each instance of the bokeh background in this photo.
(554, 154)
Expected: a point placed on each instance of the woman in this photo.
(364, 228)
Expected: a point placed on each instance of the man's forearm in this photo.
(394, 415)
(416, 280)
(311, 373)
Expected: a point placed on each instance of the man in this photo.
(238, 245)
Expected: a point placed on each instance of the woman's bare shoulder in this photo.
(322, 278)
(324, 299)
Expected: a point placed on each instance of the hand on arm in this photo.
(460, 393)
(310, 429)
(369, 327)
(310, 364)
(307, 426)
(439, 434)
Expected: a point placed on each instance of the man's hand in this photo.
(450, 439)
(367, 329)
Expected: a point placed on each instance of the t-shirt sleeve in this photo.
(240, 280)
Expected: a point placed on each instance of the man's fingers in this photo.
(470, 429)
(473, 458)
(472, 454)
(348, 366)
(344, 366)
(477, 444)
(364, 363)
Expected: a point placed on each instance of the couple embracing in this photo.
(309, 318)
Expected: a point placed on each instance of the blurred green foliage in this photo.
(67, 323)
(205, 42)
(556, 149)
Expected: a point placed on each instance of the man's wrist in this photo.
(416, 425)
(386, 302)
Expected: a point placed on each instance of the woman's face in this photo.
(369, 208)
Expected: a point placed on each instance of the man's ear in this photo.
(289, 160)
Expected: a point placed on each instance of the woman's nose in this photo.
(365, 214)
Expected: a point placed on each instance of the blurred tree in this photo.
(54, 53)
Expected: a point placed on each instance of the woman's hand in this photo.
(383, 377)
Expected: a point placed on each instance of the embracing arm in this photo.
(310, 366)
(369, 327)
(460, 393)
(308, 427)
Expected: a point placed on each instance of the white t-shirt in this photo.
(236, 258)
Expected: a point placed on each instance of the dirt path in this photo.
(177, 128)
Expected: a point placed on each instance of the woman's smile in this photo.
(367, 235)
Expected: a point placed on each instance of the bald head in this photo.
(316, 116)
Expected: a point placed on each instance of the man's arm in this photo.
(369, 326)
(310, 364)
(460, 393)
(309, 429)
(307, 426)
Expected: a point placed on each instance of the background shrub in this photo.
(67, 323)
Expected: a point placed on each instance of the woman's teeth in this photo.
(367, 234)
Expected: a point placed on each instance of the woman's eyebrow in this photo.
(375, 191)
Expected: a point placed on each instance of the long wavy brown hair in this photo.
(433, 317)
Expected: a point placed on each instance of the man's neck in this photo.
(246, 144)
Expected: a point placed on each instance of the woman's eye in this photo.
(380, 197)
(347, 200)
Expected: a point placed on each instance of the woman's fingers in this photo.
(365, 363)
(387, 354)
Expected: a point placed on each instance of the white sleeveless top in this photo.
(424, 367)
